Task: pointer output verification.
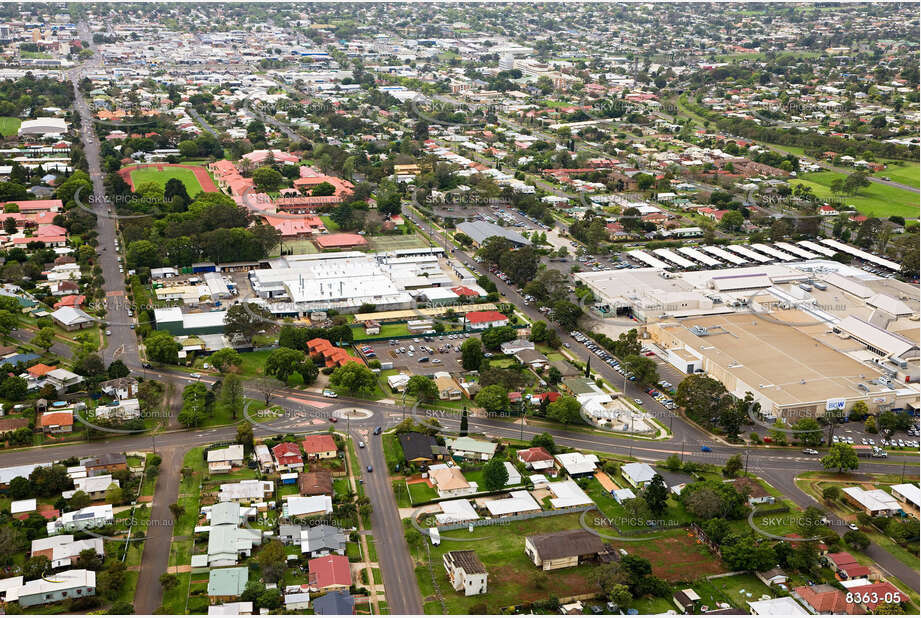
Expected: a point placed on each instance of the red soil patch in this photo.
(678, 557)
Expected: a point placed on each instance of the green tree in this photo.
(841, 456)
(231, 396)
(811, 431)
(492, 398)
(323, 189)
(354, 378)
(656, 495)
(117, 369)
(565, 410)
(282, 362)
(225, 359)
(422, 388)
(546, 441)
(161, 347)
(44, 339)
(245, 321)
(471, 354)
(495, 475)
(267, 179)
(831, 493)
(733, 466)
(643, 367)
(245, 436)
(464, 423)
(732, 221)
(272, 561)
(169, 580)
(855, 539)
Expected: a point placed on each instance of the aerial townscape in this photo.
(459, 308)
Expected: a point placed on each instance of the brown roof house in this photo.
(319, 483)
(558, 550)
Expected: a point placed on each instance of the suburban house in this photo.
(61, 549)
(537, 458)
(227, 541)
(227, 584)
(847, 566)
(874, 502)
(518, 503)
(62, 379)
(322, 540)
(481, 320)
(264, 458)
(73, 584)
(120, 388)
(756, 493)
(909, 496)
(240, 608)
(72, 318)
(447, 387)
(558, 550)
(577, 465)
(334, 603)
(287, 457)
(84, 519)
(329, 573)
(250, 490)
(465, 571)
(320, 446)
(317, 483)
(469, 448)
(57, 422)
(417, 447)
(532, 358)
(105, 464)
(225, 459)
(93, 486)
(826, 599)
(686, 600)
(772, 577)
(450, 482)
(123, 410)
(638, 474)
(781, 606)
(513, 347)
(307, 506)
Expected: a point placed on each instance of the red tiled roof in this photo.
(479, 317)
(329, 571)
(875, 594)
(535, 453)
(61, 419)
(827, 600)
(321, 443)
(287, 453)
(40, 369)
(329, 241)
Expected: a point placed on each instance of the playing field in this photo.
(877, 200)
(152, 174)
(9, 125)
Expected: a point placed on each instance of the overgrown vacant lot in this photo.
(677, 556)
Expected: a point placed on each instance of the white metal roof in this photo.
(816, 247)
(721, 253)
(647, 259)
(775, 253)
(863, 255)
(700, 256)
(671, 256)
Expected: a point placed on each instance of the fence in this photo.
(500, 521)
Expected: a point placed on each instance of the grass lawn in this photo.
(737, 590)
(513, 578)
(387, 330)
(253, 363)
(331, 225)
(9, 125)
(421, 492)
(877, 200)
(152, 174)
(906, 174)
(353, 551)
(402, 496)
(174, 599)
(299, 246)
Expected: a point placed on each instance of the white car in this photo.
(638, 402)
(330, 393)
(853, 526)
(197, 376)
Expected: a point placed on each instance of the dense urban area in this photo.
(459, 308)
